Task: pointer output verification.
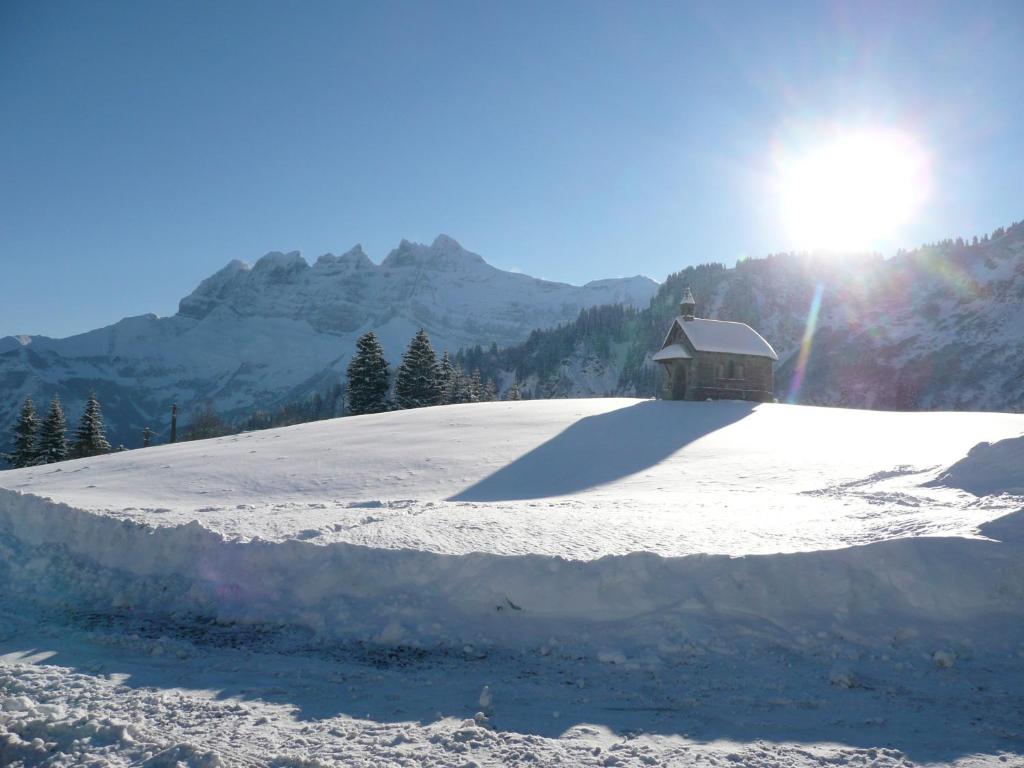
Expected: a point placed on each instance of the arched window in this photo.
(721, 371)
(732, 369)
(739, 372)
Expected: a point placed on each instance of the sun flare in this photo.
(852, 190)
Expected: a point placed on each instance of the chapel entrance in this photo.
(678, 382)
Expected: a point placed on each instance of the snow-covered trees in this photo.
(448, 379)
(25, 452)
(417, 383)
(53, 436)
(368, 375)
(39, 443)
(90, 438)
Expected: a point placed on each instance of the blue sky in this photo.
(144, 145)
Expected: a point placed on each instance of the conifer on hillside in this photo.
(490, 392)
(417, 383)
(459, 385)
(25, 453)
(53, 435)
(147, 437)
(448, 378)
(476, 390)
(513, 392)
(368, 376)
(90, 439)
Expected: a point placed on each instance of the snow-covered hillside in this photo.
(589, 582)
(940, 327)
(255, 336)
(635, 582)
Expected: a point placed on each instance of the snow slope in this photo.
(255, 336)
(636, 582)
(538, 505)
(578, 479)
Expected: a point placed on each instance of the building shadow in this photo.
(601, 449)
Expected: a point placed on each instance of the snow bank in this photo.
(54, 554)
(989, 469)
(717, 476)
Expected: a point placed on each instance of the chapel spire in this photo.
(687, 305)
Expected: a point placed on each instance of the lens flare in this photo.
(805, 346)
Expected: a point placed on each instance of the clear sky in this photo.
(145, 144)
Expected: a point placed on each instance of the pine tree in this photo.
(460, 386)
(417, 383)
(53, 436)
(90, 439)
(513, 392)
(368, 376)
(147, 437)
(476, 389)
(25, 453)
(448, 377)
(490, 392)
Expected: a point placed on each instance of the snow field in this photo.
(712, 471)
(607, 583)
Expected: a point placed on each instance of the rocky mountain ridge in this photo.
(256, 336)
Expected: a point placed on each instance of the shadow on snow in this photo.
(600, 449)
(747, 695)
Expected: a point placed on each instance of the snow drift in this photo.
(989, 468)
(671, 523)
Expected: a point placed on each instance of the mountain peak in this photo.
(444, 242)
(353, 257)
(277, 261)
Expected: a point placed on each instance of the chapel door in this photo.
(678, 382)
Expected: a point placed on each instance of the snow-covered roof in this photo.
(725, 336)
(672, 352)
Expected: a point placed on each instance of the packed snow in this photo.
(590, 582)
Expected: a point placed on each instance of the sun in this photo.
(851, 191)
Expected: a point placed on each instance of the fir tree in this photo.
(147, 437)
(513, 392)
(490, 392)
(25, 452)
(476, 389)
(448, 377)
(417, 383)
(460, 386)
(368, 376)
(90, 439)
(53, 436)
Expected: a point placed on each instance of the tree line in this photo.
(45, 442)
(420, 380)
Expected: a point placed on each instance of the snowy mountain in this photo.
(254, 336)
(940, 327)
(605, 581)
